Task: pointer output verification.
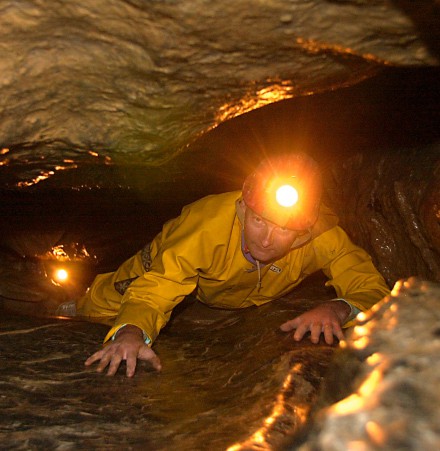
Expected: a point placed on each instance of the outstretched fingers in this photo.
(289, 325)
(146, 353)
(114, 353)
(321, 320)
(100, 356)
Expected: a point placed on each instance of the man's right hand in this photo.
(129, 346)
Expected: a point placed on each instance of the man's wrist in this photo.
(131, 329)
(352, 311)
(342, 309)
(128, 329)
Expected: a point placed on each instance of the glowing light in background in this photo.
(61, 275)
(69, 267)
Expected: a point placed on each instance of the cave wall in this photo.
(390, 205)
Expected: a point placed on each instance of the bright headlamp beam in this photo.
(287, 196)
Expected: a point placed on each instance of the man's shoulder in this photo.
(327, 220)
(333, 238)
(212, 215)
(213, 204)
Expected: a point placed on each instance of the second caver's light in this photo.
(287, 196)
(61, 275)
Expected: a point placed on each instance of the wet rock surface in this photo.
(392, 358)
(231, 380)
(228, 378)
(393, 209)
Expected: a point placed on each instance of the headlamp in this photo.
(286, 196)
(286, 190)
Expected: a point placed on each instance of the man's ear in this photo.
(240, 208)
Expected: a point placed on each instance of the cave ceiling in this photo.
(91, 89)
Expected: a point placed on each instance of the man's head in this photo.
(281, 200)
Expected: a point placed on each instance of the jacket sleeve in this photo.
(150, 299)
(187, 246)
(350, 269)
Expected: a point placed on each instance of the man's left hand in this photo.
(326, 319)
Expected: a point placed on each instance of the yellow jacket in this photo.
(200, 251)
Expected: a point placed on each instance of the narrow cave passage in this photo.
(381, 166)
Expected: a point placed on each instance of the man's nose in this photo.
(267, 239)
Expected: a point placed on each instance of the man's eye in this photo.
(284, 230)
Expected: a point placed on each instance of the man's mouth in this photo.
(263, 249)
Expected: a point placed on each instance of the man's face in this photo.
(265, 240)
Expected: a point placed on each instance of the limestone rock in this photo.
(394, 399)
